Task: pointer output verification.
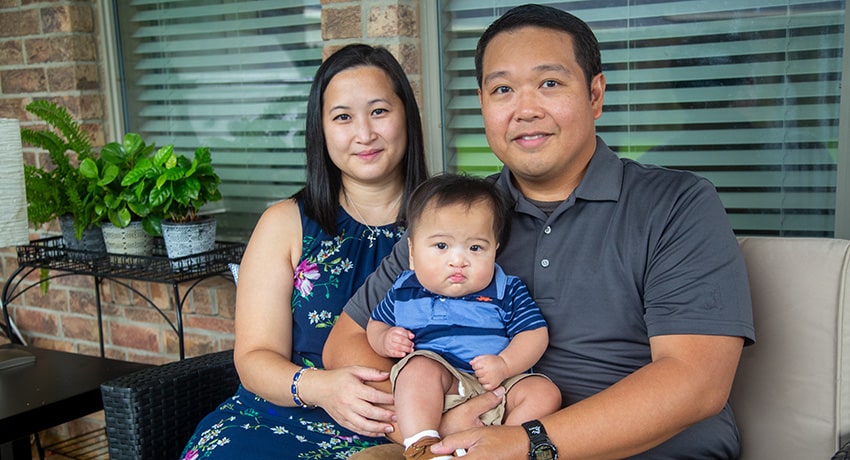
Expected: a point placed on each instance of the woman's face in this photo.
(365, 125)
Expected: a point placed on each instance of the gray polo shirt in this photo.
(634, 252)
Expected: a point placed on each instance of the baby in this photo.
(461, 325)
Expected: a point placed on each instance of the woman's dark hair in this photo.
(448, 189)
(320, 195)
(585, 45)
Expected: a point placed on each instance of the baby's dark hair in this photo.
(448, 189)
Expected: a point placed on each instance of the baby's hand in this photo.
(398, 342)
(491, 370)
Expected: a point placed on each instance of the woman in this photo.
(305, 258)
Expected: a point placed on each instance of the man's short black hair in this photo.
(586, 47)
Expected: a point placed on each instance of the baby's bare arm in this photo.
(521, 354)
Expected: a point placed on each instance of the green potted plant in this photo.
(175, 188)
(63, 191)
(128, 226)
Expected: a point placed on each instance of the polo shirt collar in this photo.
(604, 176)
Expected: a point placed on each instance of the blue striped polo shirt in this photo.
(461, 328)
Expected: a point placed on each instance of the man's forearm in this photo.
(347, 345)
(650, 406)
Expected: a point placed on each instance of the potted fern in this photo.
(62, 191)
(175, 188)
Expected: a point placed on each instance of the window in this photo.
(743, 93)
(230, 75)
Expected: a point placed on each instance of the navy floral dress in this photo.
(246, 425)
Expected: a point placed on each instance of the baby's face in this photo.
(453, 249)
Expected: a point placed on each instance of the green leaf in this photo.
(163, 155)
(139, 209)
(139, 191)
(44, 275)
(202, 154)
(132, 142)
(133, 176)
(152, 225)
(110, 173)
(120, 218)
(88, 168)
(159, 196)
(169, 175)
(112, 153)
(186, 191)
(111, 201)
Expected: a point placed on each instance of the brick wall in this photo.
(51, 50)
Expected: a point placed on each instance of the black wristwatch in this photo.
(541, 447)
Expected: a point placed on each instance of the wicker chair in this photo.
(152, 413)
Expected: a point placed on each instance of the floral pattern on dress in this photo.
(333, 444)
(331, 269)
(320, 272)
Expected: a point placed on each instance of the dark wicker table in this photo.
(57, 388)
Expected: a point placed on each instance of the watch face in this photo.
(545, 452)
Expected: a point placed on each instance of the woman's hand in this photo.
(345, 395)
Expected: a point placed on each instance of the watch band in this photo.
(535, 431)
(541, 446)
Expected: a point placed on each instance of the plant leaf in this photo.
(88, 168)
(110, 173)
(163, 154)
(112, 153)
(133, 176)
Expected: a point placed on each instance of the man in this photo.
(634, 267)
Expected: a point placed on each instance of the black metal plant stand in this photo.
(51, 253)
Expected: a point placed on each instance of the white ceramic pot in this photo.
(188, 239)
(130, 240)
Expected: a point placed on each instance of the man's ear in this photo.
(597, 94)
(410, 253)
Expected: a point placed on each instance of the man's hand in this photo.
(467, 415)
(491, 370)
(490, 443)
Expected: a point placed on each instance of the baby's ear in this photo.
(410, 253)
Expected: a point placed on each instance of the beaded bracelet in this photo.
(294, 389)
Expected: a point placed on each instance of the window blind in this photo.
(743, 93)
(230, 75)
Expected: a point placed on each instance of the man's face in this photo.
(538, 113)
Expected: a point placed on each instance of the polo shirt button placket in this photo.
(546, 231)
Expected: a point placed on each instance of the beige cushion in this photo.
(790, 394)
